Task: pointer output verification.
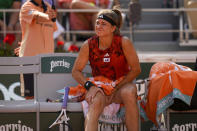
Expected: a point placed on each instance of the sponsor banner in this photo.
(26, 121)
(57, 64)
(18, 122)
(10, 87)
(186, 121)
(15, 127)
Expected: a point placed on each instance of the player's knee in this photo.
(129, 94)
(98, 103)
(96, 108)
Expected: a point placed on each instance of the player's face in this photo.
(103, 27)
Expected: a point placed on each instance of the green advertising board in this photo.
(26, 121)
(57, 64)
(10, 87)
(184, 121)
(17, 121)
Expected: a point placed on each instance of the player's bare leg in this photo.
(128, 96)
(95, 109)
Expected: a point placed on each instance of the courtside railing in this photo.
(183, 32)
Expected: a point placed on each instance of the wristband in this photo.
(88, 84)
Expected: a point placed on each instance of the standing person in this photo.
(57, 35)
(37, 28)
(112, 56)
(37, 34)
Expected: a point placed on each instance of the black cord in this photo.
(35, 3)
(43, 4)
(195, 66)
(53, 7)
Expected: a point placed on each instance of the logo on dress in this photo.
(106, 55)
(106, 59)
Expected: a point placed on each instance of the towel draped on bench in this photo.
(167, 82)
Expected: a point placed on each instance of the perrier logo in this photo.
(57, 64)
(15, 127)
(60, 63)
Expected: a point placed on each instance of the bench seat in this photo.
(32, 106)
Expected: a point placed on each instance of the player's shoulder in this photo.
(126, 40)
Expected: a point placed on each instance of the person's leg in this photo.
(82, 15)
(1, 29)
(95, 109)
(29, 85)
(76, 4)
(128, 96)
(2, 26)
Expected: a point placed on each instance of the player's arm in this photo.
(80, 63)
